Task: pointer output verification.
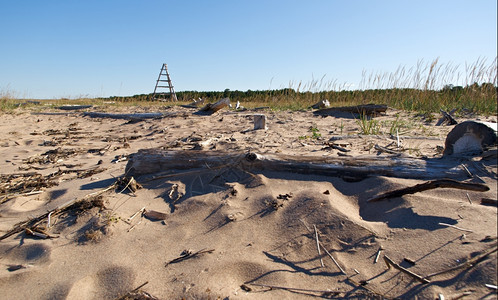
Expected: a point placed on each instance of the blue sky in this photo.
(54, 49)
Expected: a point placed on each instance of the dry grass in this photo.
(426, 87)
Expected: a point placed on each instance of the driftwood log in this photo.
(470, 137)
(137, 116)
(74, 107)
(211, 108)
(365, 110)
(149, 161)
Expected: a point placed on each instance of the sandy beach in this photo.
(75, 226)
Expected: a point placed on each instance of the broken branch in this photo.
(440, 183)
(390, 263)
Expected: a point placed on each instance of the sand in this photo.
(255, 231)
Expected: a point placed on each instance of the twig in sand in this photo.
(48, 219)
(456, 227)
(318, 246)
(468, 197)
(390, 263)
(378, 255)
(326, 251)
(322, 292)
(135, 214)
(133, 294)
(440, 183)
(470, 263)
(188, 254)
(384, 149)
(333, 259)
(466, 170)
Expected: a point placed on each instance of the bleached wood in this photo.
(149, 161)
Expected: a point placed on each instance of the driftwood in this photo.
(321, 104)
(74, 107)
(366, 110)
(149, 161)
(447, 118)
(186, 254)
(442, 183)
(390, 263)
(211, 108)
(470, 137)
(466, 264)
(133, 117)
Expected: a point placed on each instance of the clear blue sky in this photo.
(54, 49)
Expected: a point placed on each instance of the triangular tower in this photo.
(164, 82)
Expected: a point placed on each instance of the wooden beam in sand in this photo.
(150, 161)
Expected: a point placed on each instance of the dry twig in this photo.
(390, 263)
(440, 183)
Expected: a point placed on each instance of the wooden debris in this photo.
(211, 108)
(318, 246)
(441, 183)
(467, 264)
(390, 263)
(325, 249)
(336, 147)
(12, 268)
(90, 200)
(74, 107)
(260, 122)
(136, 214)
(447, 118)
(155, 215)
(468, 197)
(129, 183)
(186, 254)
(131, 117)
(149, 161)
(39, 233)
(322, 293)
(333, 259)
(321, 104)
(194, 103)
(456, 227)
(487, 201)
(470, 137)
(386, 150)
(365, 110)
(138, 294)
(377, 255)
